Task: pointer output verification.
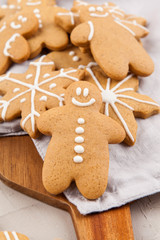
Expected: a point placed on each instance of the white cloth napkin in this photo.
(134, 172)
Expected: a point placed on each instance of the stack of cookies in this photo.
(83, 92)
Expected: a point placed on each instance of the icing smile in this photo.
(98, 15)
(84, 104)
(85, 94)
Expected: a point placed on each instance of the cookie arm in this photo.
(142, 21)
(17, 48)
(143, 105)
(113, 131)
(48, 120)
(80, 36)
(134, 27)
(67, 20)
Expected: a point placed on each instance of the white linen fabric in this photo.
(134, 172)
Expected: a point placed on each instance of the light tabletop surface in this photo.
(40, 221)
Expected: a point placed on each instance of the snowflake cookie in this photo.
(12, 236)
(49, 34)
(121, 102)
(14, 47)
(112, 40)
(78, 149)
(31, 93)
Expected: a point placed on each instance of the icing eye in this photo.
(85, 92)
(99, 9)
(92, 9)
(78, 91)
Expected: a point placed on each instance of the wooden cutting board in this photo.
(20, 169)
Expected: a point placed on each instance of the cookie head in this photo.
(91, 11)
(83, 95)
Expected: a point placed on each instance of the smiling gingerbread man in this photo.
(78, 150)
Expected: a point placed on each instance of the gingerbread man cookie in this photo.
(116, 49)
(70, 57)
(78, 149)
(121, 102)
(14, 47)
(31, 93)
(49, 34)
(12, 236)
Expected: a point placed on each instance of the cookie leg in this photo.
(56, 39)
(56, 175)
(36, 45)
(92, 184)
(5, 62)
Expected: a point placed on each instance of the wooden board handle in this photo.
(111, 225)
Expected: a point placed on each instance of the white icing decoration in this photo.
(122, 25)
(84, 104)
(79, 139)
(38, 16)
(91, 31)
(78, 159)
(46, 75)
(100, 9)
(71, 14)
(79, 130)
(85, 92)
(33, 3)
(71, 53)
(16, 90)
(110, 96)
(33, 88)
(52, 85)
(23, 100)
(15, 235)
(7, 235)
(75, 58)
(29, 76)
(43, 98)
(36, 10)
(11, 6)
(81, 120)
(15, 26)
(81, 3)
(3, 27)
(8, 46)
(92, 9)
(79, 149)
(22, 19)
(78, 91)
(99, 15)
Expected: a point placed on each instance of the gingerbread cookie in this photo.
(49, 34)
(7, 10)
(31, 93)
(12, 236)
(70, 57)
(67, 20)
(121, 102)
(78, 149)
(116, 49)
(14, 47)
